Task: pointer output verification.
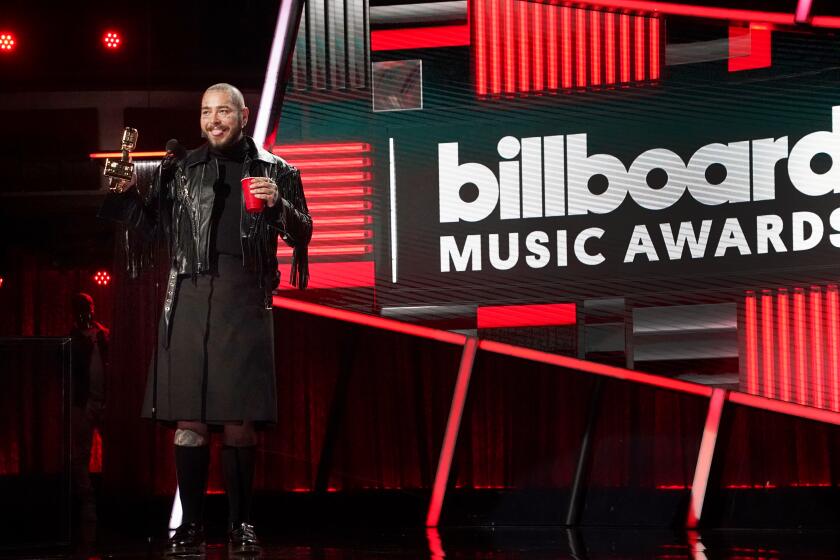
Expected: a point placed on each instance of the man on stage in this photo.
(214, 363)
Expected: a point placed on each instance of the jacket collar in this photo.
(202, 154)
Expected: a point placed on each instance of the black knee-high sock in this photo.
(238, 465)
(192, 463)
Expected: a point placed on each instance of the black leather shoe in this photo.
(188, 540)
(242, 540)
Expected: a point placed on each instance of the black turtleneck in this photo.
(228, 197)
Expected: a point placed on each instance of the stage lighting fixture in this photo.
(7, 42)
(112, 40)
(102, 278)
(2, 281)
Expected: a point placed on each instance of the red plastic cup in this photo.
(252, 203)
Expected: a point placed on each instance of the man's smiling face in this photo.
(221, 120)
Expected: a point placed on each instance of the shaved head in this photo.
(235, 95)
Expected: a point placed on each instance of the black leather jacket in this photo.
(179, 206)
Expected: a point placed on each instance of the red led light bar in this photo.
(341, 221)
(655, 65)
(322, 192)
(450, 436)
(580, 47)
(817, 345)
(342, 235)
(751, 343)
(329, 250)
(566, 27)
(833, 346)
(552, 49)
(692, 10)
(522, 41)
(799, 349)
(480, 47)
(495, 70)
(609, 48)
(639, 48)
(420, 37)
(595, 47)
(767, 347)
(783, 314)
(550, 314)
(304, 164)
(625, 47)
(510, 65)
(316, 149)
(539, 17)
(352, 176)
(339, 206)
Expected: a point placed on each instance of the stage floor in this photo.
(484, 544)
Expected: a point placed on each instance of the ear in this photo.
(245, 113)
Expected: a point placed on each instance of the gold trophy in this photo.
(121, 171)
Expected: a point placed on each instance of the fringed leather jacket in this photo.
(179, 206)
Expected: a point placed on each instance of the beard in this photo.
(231, 137)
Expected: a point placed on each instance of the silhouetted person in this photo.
(90, 364)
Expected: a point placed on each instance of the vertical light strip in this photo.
(480, 49)
(580, 47)
(510, 44)
(537, 20)
(625, 47)
(639, 47)
(566, 21)
(522, 42)
(803, 11)
(768, 381)
(783, 322)
(655, 63)
(833, 346)
(705, 456)
(595, 47)
(495, 49)
(276, 55)
(800, 350)
(392, 175)
(609, 47)
(177, 513)
(553, 73)
(817, 343)
(450, 436)
(436, 551)
(750, 343)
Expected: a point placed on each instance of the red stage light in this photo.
(7, 42)
(2, 281)
(112, 40)
(102, 278)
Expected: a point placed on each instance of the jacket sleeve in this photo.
(290, 217)
(141, 215)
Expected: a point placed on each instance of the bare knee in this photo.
(192, 434)
(240, 435)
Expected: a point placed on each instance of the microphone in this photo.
(175, 149)
(174, 153)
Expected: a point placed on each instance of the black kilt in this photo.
(219, 367)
